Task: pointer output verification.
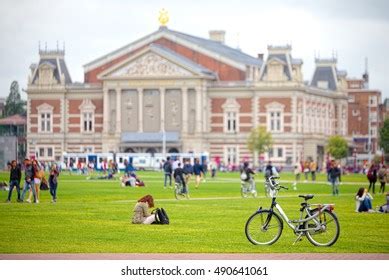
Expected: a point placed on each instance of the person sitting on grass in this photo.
(385, 207)
(142, 214)
(363, 201)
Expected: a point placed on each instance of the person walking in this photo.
(53, 182)
(28, 180)
(198, 172)
(313, 168)
(334, 175)
(188, 171)
(372, 177)
(15, 175)
(168, 169)
(38, 174)
(382, 176)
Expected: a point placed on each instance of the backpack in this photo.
(243, 176)
(161, 217)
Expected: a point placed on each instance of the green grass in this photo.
(95, 217)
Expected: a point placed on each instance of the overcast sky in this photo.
(353, 29)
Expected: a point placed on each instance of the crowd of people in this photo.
(34, 180)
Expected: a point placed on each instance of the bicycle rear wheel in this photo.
(324, 229)
(263, 227)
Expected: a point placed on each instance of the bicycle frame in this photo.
(291, 223)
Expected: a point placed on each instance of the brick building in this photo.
(200, 94)
(365, 117)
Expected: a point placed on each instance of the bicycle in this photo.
(320, 224)
(179, 191)
(248, 188)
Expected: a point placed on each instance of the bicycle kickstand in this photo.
(299, 238)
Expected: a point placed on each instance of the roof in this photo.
(220, 48)
(215, 47)
(59, 67)
(168, 53)
(324, 73)
(149, 137)
(14, 120)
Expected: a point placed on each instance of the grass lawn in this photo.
(94, 216)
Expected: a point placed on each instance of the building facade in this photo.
(194, 94)
(365, 117)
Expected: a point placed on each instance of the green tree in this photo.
(384, 136)
(14, 104)
(337, 147)
(259, 140)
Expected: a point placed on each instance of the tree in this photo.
(337, 147)
(14, 104)
(384, 136)
(259, 140)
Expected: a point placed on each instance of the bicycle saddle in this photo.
(307, 196)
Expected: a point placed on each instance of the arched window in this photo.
(129, 150)
(151, 151)
(173, 151)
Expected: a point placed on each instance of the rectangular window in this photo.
(87, 122)
(271, 153)
(41, 152)
(279, 152)
(231, 122)
(45, 122)
(49, 152)
(275, 121)
(231, 155)
(373, 101)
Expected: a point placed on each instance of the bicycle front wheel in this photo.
(178, 192)
(264, 227)
(324, 229)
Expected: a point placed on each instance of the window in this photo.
(87, 122)
(279, 152)
(231, 155)
(45, 153)
(322, 84)
(275, 121)
(373, 116)
(231, 121)
(87, 109)
(271, 154)
(373, 101)
(45, 122)
(373, 131)
(41, 152)
(355, 112)
(276, 153)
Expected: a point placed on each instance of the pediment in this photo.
(275, 106)
(45, 108)
(149, 64)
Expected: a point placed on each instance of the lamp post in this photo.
(164, 143)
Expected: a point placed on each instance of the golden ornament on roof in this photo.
(163, 17)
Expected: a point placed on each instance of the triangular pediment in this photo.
(155, 62)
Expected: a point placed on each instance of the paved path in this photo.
(280, 256)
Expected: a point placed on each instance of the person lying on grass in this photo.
(142, 214)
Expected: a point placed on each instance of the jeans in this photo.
(12, 184)
(372, 184)
(27, 186)
(365, 205)
(313, 173)
(335, 186)
(53, 189)
(168, 175)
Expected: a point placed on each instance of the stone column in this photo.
(204, 108)
(162, 95)
(118, 110)
(140, 109)
(184, 92)
(198, 110)
(106, 111)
